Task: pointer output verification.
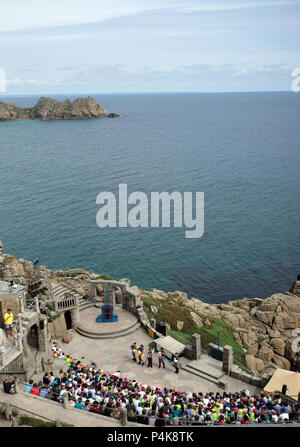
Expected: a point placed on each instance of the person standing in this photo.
(8, 322)
(133, 351)
(138, 355)
(176, 363)
(161, 354)
(150, 357)
(142, 359)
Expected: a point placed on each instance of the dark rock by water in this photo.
(53, 109)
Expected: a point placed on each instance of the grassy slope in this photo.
(170, 312)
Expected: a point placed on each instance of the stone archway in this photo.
(68, 319)
(32, 337)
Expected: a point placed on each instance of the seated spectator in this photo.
(143, 418)
(29, 386)
(44, 391)
(9, 386)
(34, 390)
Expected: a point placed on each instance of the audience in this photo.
(94, 390)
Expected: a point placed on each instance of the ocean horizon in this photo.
(241, 149)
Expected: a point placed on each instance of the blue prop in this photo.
(107, 315)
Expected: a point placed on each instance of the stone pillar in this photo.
(93, 292)
(42, 334)
(65, 400)
(2, 356)
(20, 324)
(137, 300)
(37, 306)
(75, 315)
(123, 416)
(227, 358)
(8, 414)
(112, 297)
(196, 346)
(17, 387)
(21, 304)
(153, 323)
(19, 342)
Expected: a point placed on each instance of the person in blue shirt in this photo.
(29, 386)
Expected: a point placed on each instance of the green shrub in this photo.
(35, 422)
(9, 260)
(50, 307)
(107, 277)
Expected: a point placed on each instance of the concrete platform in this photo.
(88, 327)
(208, 366)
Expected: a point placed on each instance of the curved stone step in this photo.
(129, 330)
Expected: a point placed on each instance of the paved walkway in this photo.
(53, 410)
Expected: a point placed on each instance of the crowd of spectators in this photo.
(96, 391)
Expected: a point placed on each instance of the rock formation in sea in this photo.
(53, 109)
(263, 332)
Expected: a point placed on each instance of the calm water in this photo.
(242, 150)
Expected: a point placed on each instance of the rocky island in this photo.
(53, 109)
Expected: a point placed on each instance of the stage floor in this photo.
(88, 321)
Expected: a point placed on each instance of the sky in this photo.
(124, 46)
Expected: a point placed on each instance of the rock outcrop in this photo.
(53, 109)
(266, 330)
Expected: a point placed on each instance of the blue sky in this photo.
(96, 46)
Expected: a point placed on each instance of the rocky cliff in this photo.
(52, 109)
(262, 332)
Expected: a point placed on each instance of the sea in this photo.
(242, 150)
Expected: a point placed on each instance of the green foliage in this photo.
(53, 317)
(171, 311)
(209, 334)
(50, 306)
(34, 422)
(107, 277)
(182, 337)
(9, 260)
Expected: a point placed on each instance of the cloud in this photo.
(18, 81)
(221, 6)
(118, 76)
(21, 15)
(18, 15)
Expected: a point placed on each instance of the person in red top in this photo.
(34, 390)
(245, 419)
